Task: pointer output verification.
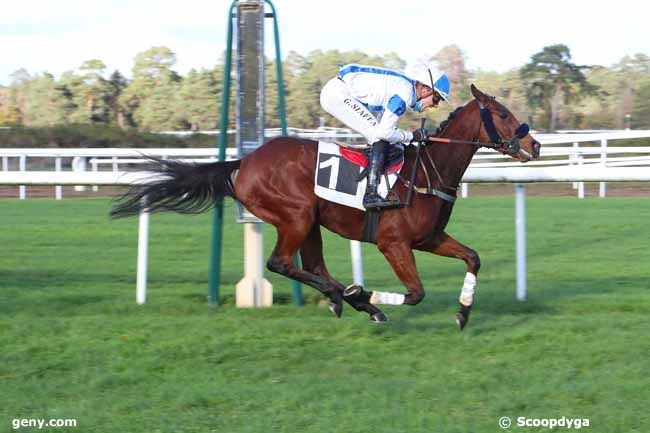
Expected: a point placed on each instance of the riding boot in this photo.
(372, 200)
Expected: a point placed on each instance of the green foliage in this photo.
(9, 112)
(197, 100)
(151, 94)
(158, 111)
(271, 100)
(87, 135)
(75, 344)
(118, 114)
(550, 92)
(641, 111)
(551, 78)
(89, 93)
(45, 100)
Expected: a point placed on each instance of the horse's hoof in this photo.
(336, 305)
(353, 290)
(461, 321)
(379, 318)
(335, 308)
(462, 317)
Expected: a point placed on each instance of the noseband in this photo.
(512, 146)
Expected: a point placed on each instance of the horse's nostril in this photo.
(536, 148)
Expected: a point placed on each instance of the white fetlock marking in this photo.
(386, 298)
(467, 293)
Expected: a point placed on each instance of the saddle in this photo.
(394, 159)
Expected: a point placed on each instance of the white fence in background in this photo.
(79, 157)
(585, 148)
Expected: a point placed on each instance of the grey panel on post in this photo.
(250, 76)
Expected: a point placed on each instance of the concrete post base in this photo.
(254, 290)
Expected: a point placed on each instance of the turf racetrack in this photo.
(73, 343)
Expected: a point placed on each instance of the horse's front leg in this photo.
(400, 257)
(450, 247)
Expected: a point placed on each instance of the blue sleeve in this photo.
(397, 105)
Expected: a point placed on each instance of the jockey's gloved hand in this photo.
(420, 134)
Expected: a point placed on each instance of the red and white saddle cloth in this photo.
(337, 170)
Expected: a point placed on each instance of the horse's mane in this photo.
(445, 123)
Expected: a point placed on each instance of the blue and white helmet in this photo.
(432, 77)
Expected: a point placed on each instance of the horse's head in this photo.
(501, 129)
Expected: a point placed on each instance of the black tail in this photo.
(179, 187)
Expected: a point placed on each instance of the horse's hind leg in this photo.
(311, 255)
(450, 247)
(290, 239)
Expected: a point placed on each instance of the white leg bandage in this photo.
(386, 298)
(467, 293)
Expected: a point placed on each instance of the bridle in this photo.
(510, 146)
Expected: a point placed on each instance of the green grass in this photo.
(73, 343)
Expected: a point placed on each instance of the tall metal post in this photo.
(214, 280)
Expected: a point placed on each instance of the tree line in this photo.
(550, 92)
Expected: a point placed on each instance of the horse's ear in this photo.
(478, 94)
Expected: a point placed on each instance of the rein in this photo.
(510, 147)
(429, 190)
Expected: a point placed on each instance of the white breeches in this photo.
(335, 98)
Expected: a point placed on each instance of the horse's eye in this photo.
(503, 115)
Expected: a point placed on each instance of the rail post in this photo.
(574, 158)
(603, 161)
(58, 189)
(143, 255)
(357, 262)
(22, 166)
(581, 185)
(520, 224)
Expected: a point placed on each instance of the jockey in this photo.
(371, 100)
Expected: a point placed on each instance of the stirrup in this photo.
(375, 201)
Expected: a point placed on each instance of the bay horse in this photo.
(276, 184)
